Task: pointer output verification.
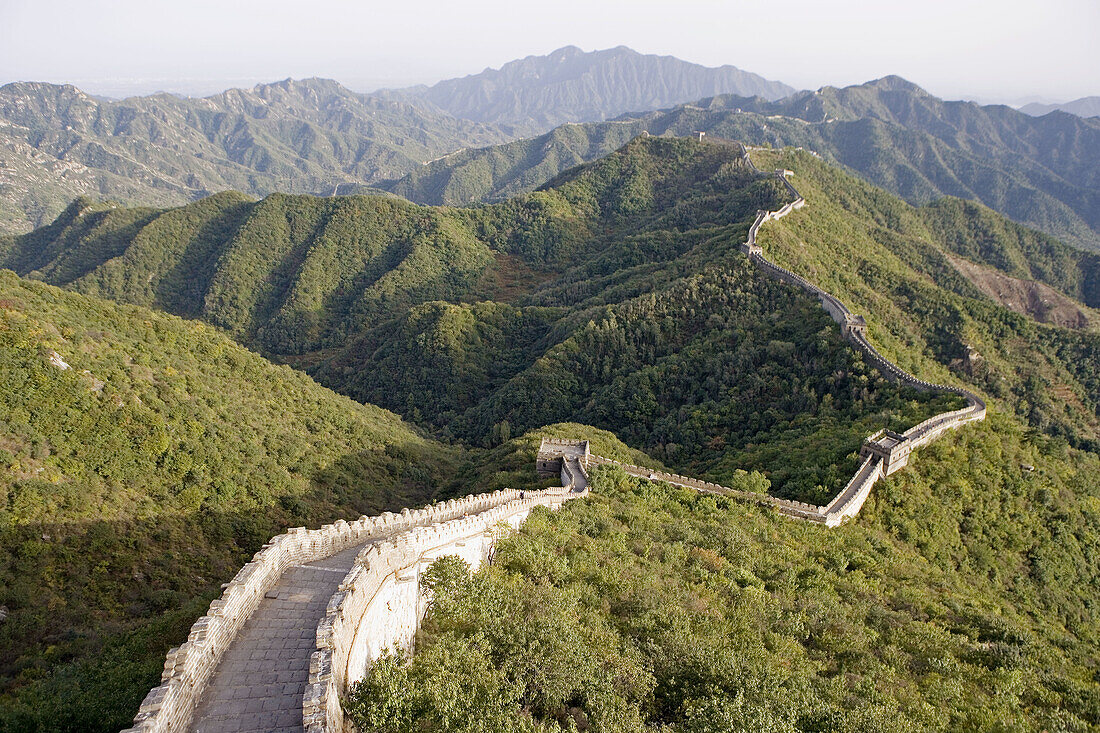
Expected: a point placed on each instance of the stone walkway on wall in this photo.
(260, 680)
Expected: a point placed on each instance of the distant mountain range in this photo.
(569, 85)
(1083, 107)
(313, 135)
(57, 143)
(1038, 171)
(468, 140)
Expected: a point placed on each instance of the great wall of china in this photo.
(304, 619)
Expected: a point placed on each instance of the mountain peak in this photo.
(894, 83)
(572, 85)
(565, 52)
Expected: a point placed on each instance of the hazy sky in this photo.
(1003, 50)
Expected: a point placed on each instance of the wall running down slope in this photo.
(885, 451)
(377, 605)
(882, 453)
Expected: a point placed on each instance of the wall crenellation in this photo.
(881, 457)
(366, 614)
(882, 453)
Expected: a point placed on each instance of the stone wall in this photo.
(379, 604)
(849, 501)
(188, 668)
(797, 509)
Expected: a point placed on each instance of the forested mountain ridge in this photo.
(560, 304)
(291, 136)
(314, 136)
(310, 135)
(143, 459)
(883, 257)
(1039, 171)
(971, 569)
(484, 321)
(569, 85)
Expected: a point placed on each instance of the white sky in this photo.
(1004, 50)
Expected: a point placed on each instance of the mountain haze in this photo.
(1042, 172)
(57, 143)
(309, 135)
(569, 85)
(314, 136)
(1083, 107)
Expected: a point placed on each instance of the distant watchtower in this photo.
(700, 134)
(553, 450)
(854, 324)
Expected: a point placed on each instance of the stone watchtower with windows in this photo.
(893, 448)
(854, 325)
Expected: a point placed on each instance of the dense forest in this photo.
(143, 459)
(962, 598)
(615, 296)
(958, 601)
(897, 262)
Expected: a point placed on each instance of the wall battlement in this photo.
(884, 452)
(462, 525)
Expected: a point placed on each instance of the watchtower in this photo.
(553, 450)
(893, 448)
(854, 324)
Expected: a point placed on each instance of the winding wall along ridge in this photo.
(883, 452)
(362, 619)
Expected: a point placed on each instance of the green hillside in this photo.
(143, 459)
(886, 258)
(615, 297)
(962, 599)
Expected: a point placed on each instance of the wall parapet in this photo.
(338, 633)
(189, 667)
(406, 539)
(847, 503)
